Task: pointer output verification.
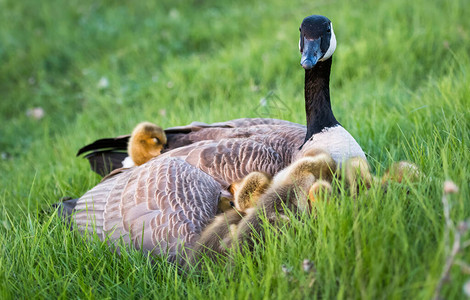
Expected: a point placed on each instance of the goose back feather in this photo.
(159, 206)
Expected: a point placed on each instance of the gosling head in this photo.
(317, 40)
(146, 142)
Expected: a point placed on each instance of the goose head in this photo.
(317, 40)
(146, 142)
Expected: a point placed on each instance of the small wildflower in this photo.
(286, 269)
(103, 83)
(6, 224)
(263, 102)
(254, 88)
(466, 288)
(464, 267)
(463, 227)
(162, 112)
(308, 265)
(170, 84)
(36, 113)
(4, 155)
(174, 13)
(450, 187)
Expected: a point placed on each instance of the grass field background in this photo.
(400, 84)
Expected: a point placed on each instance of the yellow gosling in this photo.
(319, 188)
(247, 192)
(146, 142)
(321, 165)
(401, 171)
(357, 171)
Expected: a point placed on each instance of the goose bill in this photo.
(311, 53)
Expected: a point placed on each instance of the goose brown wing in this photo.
(177, 132)
(106, 155)
(159, 206)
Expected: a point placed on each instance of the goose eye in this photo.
(328, 30)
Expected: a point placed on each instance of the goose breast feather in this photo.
(337, 141)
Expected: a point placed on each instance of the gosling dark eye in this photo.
(328, 30)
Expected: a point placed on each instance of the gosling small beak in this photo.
(311, 53)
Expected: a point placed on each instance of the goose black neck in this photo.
(317, 98)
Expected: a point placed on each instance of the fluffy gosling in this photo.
(146, 142)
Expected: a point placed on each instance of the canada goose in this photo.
(166, 203)
(146, 142)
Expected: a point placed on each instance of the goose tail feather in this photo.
(66, 208)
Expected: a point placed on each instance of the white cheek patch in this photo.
(332, 47)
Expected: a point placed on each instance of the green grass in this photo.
(400, 85)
